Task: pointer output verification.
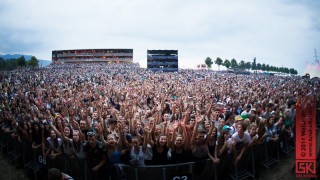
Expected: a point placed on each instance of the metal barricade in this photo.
(79, 169)
(263, 153)
(74, 167)
(271, 151)
(5, 137)
(286, 144)
(206, 171)
(245, 167)
(16, 151)
(36, 163)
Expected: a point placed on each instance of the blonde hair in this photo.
(247, 122)
(251, 126)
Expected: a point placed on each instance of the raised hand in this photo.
(120, 126)
(147, 129)
(175, 124)
(199, 119)
(76, 124)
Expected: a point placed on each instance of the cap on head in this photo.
(238, 118)
(226, 128)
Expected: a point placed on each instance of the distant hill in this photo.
(42, 62)
(15, 56)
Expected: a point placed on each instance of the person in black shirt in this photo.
(96, 157)
(84, 128)
(180, 150)
(160, 150)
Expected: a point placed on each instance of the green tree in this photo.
(22, 61)
(259, 66)
(291, 70)
(242, 64)
(281, 69)
(234, 63)
(208, 62)
(218, 61)
(11, 64)
(254, 66)
(268, 67)
(248, 65)
(272, 68)
(286, 70)
(263, 67)
(226, 63)
(3, 64)
(34, 62)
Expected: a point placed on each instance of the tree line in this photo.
(11, 64)
(242, 65)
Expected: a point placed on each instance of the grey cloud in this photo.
(276, 32)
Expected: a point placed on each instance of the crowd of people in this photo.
(109, 114)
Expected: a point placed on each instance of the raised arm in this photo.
(209, 110)
(77, 127)
(121, 135)
(199, 119)
(103, 127)
(171, 140)
(104, 142)
(185, 138)
(88, 119)
(149, 139)
(146, 135)
(210, 133)
(131, 125)
(60, 135)
(186, 117)
(180, 107)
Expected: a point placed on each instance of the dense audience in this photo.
(111, 114)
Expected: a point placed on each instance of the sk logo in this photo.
(305, 168)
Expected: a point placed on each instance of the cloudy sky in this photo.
(276, 32)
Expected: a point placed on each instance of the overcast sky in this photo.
(276, 32)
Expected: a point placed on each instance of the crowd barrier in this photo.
(35, 165)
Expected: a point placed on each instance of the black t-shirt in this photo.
(94, 155)
(37, 138)
(182, 157)
(159, 158)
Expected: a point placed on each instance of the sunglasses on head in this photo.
(91, 134)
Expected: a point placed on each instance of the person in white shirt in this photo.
(137, 153)
(240, 141)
